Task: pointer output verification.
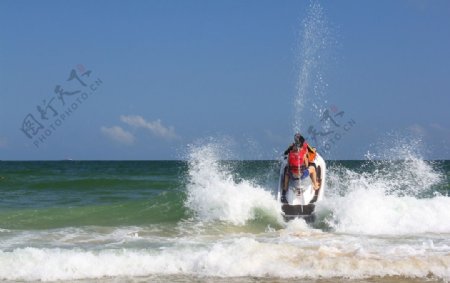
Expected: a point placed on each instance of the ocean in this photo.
(211, 220)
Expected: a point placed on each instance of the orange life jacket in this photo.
(296, 158)
(311, 154)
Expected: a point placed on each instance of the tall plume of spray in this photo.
(312, 50)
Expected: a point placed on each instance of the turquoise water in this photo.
(42, 195)
(210, 220)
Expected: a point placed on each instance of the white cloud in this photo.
(118, 134)
(439, 128)
(155, 127)
(418, 130)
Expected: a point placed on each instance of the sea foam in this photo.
(213, 194)
(393, 194)
(233, 257)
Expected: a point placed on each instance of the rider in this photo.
(300, 156)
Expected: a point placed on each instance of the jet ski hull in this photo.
(299, 211)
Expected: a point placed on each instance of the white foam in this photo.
(395, 197)
(84, 237)
(401, 168)
(305, 258)
(372, 212)
(214, 195)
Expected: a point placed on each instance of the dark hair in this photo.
(299, 140)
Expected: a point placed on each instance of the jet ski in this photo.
(301, 196)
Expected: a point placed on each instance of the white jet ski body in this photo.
(301, 196)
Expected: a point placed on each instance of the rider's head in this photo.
(299, 139)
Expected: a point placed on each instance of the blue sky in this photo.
(176, 72)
